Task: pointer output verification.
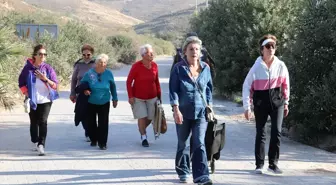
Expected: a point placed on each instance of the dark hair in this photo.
(263, 38)
(87, 47)
(192, 34)
(36, 49)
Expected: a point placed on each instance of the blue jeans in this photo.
(199, 158)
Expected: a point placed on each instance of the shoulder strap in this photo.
(196, 84)
(77, 62)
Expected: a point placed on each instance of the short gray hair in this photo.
(102, 57)
(189, 40)
(144, 49)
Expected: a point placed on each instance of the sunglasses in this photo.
(86, 55)
(42, 54)
(269, 46)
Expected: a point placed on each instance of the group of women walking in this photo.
(93, 89)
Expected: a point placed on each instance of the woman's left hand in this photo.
(115, 103)
(41, 76)
(286, 110)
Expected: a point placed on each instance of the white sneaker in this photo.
(34, 147)
(41, 150)
(88, 139)
(259, 170)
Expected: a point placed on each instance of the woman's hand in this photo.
(41, 76)
(247, 114)
(178, 117)
(131, 101)
(286, 110)
(115, 103)
(87, 92)
(73, 99)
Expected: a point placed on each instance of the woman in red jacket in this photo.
(143, 88)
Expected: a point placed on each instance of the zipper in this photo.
(269, 87)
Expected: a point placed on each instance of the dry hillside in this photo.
(98, 16)
(149, 9)
(160, 16)
(177, 22)
(18, 5)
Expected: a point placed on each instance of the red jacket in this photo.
(143, 83)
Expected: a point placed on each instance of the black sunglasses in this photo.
(269, 46)
(42, 54)
(86, 55)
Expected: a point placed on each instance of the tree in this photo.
(313, 71)
(231, 29)
(10, 48)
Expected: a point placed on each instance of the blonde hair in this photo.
(190, 40)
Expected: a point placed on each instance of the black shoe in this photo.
(103, 147)
(274, 169)
(93, 144)
(145, 143)
(205, 182)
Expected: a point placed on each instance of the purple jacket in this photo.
(27, 81)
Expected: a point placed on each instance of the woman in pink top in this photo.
(267, 86)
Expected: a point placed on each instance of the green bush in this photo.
(313, 72)
(65, 50)
(231, 30)
(128, 46)
(11, 52)
(120, 41)
(126, 52)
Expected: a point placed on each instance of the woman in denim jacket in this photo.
(189, 111)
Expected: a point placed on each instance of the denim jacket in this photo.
(184, 93)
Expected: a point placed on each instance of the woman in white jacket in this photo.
(267, 87)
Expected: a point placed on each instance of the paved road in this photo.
(70, 160)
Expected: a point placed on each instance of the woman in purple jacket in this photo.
(38, 82)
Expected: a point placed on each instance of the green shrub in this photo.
(126, 52)
(65, 50)
(120, 41)
(313, 72)
(231, 30)
(11, 52)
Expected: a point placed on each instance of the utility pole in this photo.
(196, 9)
(207, 3)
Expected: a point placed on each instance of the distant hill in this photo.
(96, 15)
(161, 16)
(10, 5)
(147, 10)
(174, 22)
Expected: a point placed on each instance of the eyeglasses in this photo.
(86, 55)
(269, 46)
(42, 54)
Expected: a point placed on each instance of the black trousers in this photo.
(85, 127)
(38, 123)
(261, 115)
(98, 133)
